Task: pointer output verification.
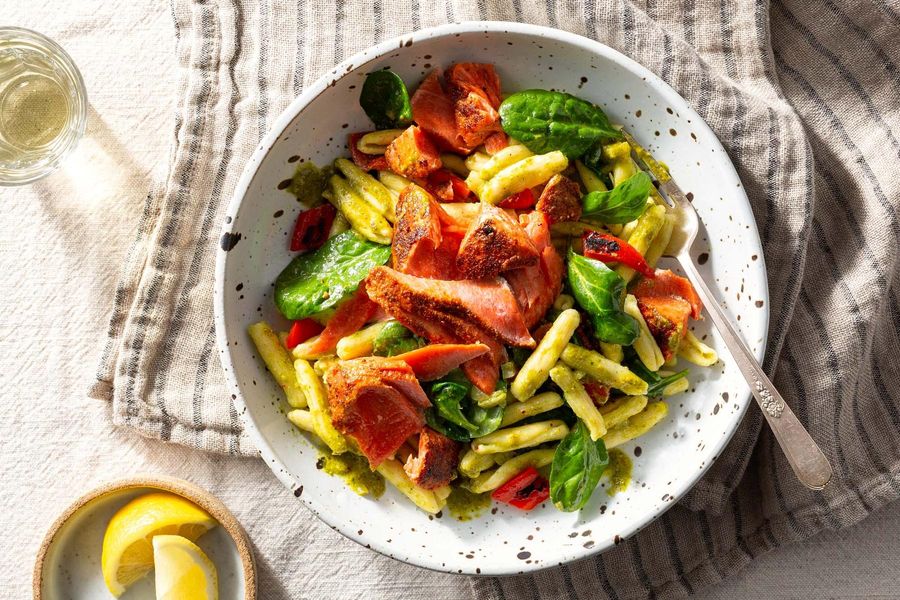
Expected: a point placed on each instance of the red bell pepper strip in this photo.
(519, 200)
(598, 392)
(524, 491)
(312, 228)
(608, 248)
(301, 331)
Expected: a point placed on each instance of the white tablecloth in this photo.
(56, 444)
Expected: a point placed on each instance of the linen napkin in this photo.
(804, 97)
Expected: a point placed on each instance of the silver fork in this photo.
(805, 457)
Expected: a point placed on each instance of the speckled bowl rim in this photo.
(180, 487)
(311, 93)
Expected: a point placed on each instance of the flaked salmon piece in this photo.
(666, 302)
(480, 78)
(495, 242)
(420, 245)
(433, 110)
(434, 465)
(436, 360)
(496, 142)
(366, 162)
(488, 305)
(378, 402)
(412, 154)
(560, 200)
(349, 318)
(448, 187)
(536, 287)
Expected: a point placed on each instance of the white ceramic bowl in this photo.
(672, 456)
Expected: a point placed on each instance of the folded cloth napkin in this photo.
(803, 95)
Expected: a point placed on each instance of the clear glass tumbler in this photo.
(43, 105)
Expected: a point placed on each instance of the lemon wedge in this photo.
(183, 571)
(127, 549)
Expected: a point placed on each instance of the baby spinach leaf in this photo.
(578, 464)
(455, 414)
(486, 419)
(385, 99)
(624, 203)
(319, 280)
(454, 432)
(394, 339)
(656, 383)
(545, 121)
(447, 398)
(601, 292)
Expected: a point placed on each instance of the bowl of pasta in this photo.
(444, 310)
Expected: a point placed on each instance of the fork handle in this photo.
(805, 457)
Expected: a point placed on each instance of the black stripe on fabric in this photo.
(847, 76)
(708, 545)
(600, 570)
(482, 10)
(498, 588)
(532, 587)
(689, 20)
(628, 26)
(764, 40)
(875, 48)
(203, 245)
(300, 56)
(167, 235)
(206, 352)
(451, 17)
(517, 10)
(675, 552)
(414, 15)
(726, 32)
(739, 525)
(590, 9)
(262, 109)
(567, 580)
(638, 562)
(889, 11)
(551, 13)
(378, 18)
(339, 17)
(772, 149)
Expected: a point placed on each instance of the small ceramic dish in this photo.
(668, 460)
(68, 562)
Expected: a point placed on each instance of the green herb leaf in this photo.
(455, 414)
(447, 398)
(578, 464)
(317, 281)
(454, 432)
(656, 383)
(486, 419)
(601, 292)
(385, 99)
(624, 203)
(545, 121)
(394, 339)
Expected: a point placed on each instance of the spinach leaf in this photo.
(656, 384)
(601, 292)
(447, 398)
(455, 414)
(486, 419)
(545, 121)
(454, 432)
(385, 99)
(624, 203)
(314, 282)
(578, 464)
(394, 339)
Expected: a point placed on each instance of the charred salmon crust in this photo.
(560, 200)
(435, 463)
(494, 242)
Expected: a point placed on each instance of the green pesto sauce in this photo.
(619, 471)
(308, 183)
(465, 505)
(355, 472)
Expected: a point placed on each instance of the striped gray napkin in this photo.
(804, 96)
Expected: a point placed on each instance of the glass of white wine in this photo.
(43, 105)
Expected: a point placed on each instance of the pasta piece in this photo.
(340, 224)
(497, 398)
(522, 175)
(648, 225)
(278, 361)
(637, 425)
(676, 387)
(603, 370)
(363, 217)
(372, 191)
(427, 500)
(471, 464)
(477, 160)
(392, 181)
(456, 164)
(535, 405)
(501, 457)
(564, 302)
(359, 343)
(318, 407)
(376, 142)
(619, 410)
(645, 346)
(591, 182)
(613, 352)
(303, 351)
(491, 480)
(302, 419)
(324, 364)
(442, 493)
(628, 228)
(579, 400)
(660, 242)
(693, 350)
(524, 436)
(494, 164)
(537, 367)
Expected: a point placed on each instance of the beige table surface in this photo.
(55, 443)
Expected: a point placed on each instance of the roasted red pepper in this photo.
(301, 331)
(519, 200)
(524, 491)
(608, 248)
(598, 392)
(312, 228)
(448, 187)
